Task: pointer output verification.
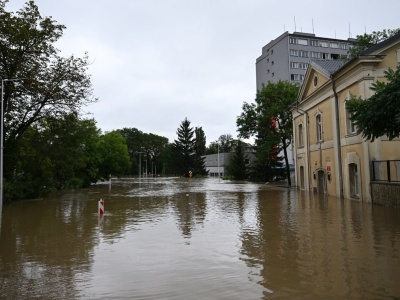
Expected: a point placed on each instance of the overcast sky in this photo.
(156, 62)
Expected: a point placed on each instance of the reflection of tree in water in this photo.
(54, 246)
(190, 210)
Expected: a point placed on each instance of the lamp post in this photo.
(218, 162)
(2, 138)
(152, 174)
(146, 168)
(140, 162)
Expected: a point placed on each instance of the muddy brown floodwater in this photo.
(170, 238)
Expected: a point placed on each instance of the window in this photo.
(268, 71)
(315, 54)
(294, 52)
(334, 56)
(272, 63)
(273, 74)
(302, 42)
(323, 44)
(302, 177)
(303, 66)
(351, 125)
(292, 40)
(301, 78)
(353, 178)
(325, 56)
(294, 77)
(343, 46)
(334, 45)
(303, 53)
(315, 80)
(294, 65)
(301, 140)
(314, 43)
(319, 127)
(267, 60)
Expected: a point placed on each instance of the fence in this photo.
(386, 170)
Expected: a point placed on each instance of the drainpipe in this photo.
(338, 142)
(302, 112)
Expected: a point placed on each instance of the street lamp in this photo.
(2, 138)
(140, 162)
(218, 162)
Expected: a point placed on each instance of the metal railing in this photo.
(386, 170)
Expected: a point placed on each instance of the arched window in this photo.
(301, 134)
(318, 120)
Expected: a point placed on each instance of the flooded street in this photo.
(198, 239)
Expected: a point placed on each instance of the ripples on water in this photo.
(198, 239)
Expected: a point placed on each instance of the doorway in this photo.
(321, 183)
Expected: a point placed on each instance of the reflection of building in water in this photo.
(309, 245)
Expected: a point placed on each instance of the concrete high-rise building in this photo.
(287, 56)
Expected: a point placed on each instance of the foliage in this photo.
(270, 121)
(367, 40)
(150, 145)
(54, 154)
(184, 149)
(114, 155)
(48, 87)
(224, 144)
(236, 167)
(199, 168)
(185, 157)
(380, 114)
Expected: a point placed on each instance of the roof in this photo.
(380, 45)
(328, 67)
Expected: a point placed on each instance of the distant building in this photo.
(287, 57)
(217, 164)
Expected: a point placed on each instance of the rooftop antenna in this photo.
(312, 22)
(295, 29)
(349, 31)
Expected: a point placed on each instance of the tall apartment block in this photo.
(287, 56)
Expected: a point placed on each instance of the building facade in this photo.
(331, 156)
(216, 163)
(287, 57)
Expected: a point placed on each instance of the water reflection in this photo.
(198, 239)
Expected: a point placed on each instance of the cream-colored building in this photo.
(330, 156)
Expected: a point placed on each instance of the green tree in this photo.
(237, 165)
(184, 148)
(114, 154)
(50, 86)
(54, 154)
(199, 152)
(225, 143)
(270, 121)
(150, 145)
(380, 114)
(367, 40)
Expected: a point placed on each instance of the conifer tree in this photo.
(184, 149)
